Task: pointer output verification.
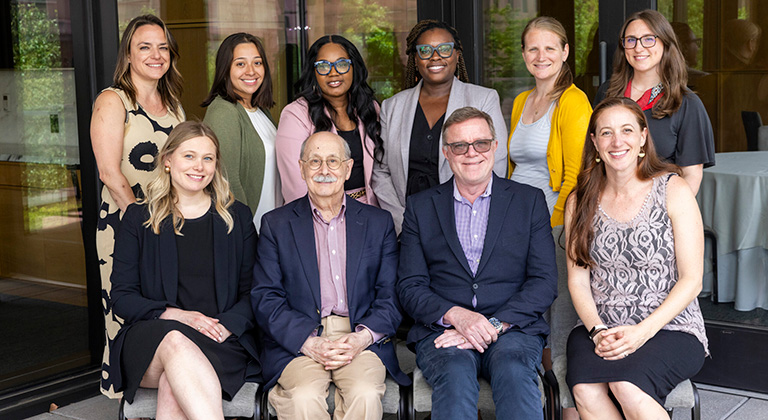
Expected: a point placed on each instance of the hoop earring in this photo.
(167, 169)
(641, 154)
(597, 159)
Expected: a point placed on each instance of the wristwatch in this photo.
(497, 324)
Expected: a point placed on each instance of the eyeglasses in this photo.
(444, 50)
(342, 65)
(462, 147)
(332, 163)
(647, 41)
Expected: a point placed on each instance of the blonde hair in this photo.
(550, 24)
(161, 196)
(170, 85)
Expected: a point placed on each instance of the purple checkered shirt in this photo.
(471, 224)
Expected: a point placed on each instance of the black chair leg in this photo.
(710, 234)
(696, 410)
(121, 413)
(405, 408)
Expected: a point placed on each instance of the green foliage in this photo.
(371, 30)
(586, 15)
(504, 66)
(36, 38)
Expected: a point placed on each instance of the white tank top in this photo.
(528, 149)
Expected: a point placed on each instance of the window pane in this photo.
(43, 309)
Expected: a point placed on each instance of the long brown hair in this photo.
(161, 195)
(550, 24)
(222, 85)
(673, 72)
(412, 75)
(170, 85)
(592, 180)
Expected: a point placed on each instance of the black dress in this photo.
(424, 154)
(196, 292)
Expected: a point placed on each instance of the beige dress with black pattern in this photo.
(144, 136)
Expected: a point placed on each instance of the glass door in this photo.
(43, 308)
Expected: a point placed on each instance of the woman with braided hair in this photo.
(411, 121)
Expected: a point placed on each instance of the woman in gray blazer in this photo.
(412, 120)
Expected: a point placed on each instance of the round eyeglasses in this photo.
(462, 147)
(342, 65)
(425, 51)
(647, 41)
(331, 162)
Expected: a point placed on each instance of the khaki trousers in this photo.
(301, 391)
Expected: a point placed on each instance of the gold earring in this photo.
(597, 159)
(641, 154)
(167, 169)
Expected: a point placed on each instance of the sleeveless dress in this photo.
(144, 136)
(635, 269)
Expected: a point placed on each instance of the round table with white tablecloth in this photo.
(733, 199)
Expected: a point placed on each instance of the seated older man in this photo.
(324, 294)
(477, 271)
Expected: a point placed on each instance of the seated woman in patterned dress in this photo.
(183, 267)
(634, 241)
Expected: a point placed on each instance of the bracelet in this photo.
(596, 330)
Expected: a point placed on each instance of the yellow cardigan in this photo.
(566, 142)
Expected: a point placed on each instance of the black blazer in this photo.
(145, 277)
(516, 278)
(286, 287)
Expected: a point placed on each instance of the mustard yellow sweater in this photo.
(566, 142)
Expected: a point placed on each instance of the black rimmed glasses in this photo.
(342, 65)
(462, 147)
(425, 51)
(331, 162)
(647, 41)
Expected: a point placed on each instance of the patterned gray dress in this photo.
(635, 269)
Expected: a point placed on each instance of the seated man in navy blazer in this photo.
(477, 271)
(324, 294)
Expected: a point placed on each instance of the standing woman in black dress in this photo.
(183, 267)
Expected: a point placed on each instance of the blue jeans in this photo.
(510, 365)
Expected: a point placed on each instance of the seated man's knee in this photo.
(364, 390)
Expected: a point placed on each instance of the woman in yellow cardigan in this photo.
(549, 122)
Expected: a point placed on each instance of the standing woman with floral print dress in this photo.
(130, 123)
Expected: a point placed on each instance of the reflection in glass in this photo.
(43, 307)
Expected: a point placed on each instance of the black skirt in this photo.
(657, 367)
(229, 359)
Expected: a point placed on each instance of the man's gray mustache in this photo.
(324, 178)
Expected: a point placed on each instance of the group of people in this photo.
(237, 250)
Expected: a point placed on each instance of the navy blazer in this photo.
(145, 275)
(286, 282)
(516, 278)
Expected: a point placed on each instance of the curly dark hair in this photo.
(412, 75)
(222, 86)
(362, 102)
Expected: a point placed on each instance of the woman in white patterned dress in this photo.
(130, 123)
(634, 241)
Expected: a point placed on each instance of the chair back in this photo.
(752, 123)
(563, 315)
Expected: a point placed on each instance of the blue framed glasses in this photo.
(342, 65)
